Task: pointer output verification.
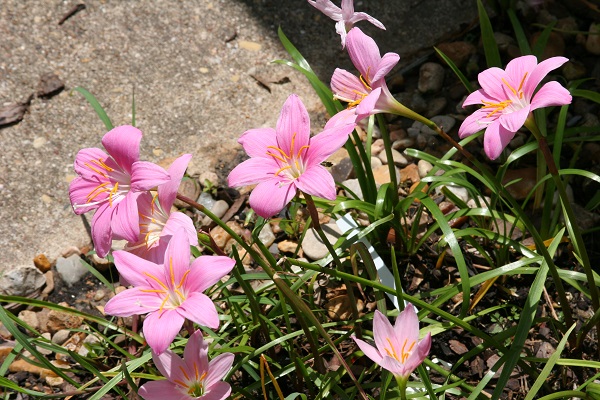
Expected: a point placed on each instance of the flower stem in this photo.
(402, 383)
(314, 216)
(571, 223)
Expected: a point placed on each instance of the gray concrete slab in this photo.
(193, 66)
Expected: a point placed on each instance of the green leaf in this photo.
(96, 106)
(490, 47)
(456, 71)
(586, 94)
(542, 41)
(519, 33)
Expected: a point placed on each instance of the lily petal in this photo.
(474, 123)
(491, 82)
(123, 144)
(208, 270)
(167, 192)
(551, 94)
(146, 175)
(199, 308)
(134, 301)
(270, 197)
(363, 52)
(86, 163)
(132, 267)
(101, 230)
(218, 391)
(317, 181)
(195, 354)
(177, 257)
(369, 350)
(80, 190)
(513, 121)
(218, 368)
(496, 139)
(347, 86)
(160, 328)
(540, 73)
(293, 126)
(258, 142)
(387, 63)
(125, 219)
(170, 365)
(327, 142)
(254, 170)
(161, 390)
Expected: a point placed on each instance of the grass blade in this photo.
(96, 106)
(490, 47)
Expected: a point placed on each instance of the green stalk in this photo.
(571, 223)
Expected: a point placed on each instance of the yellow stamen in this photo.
(282, 169)
(196, 371)
(152, 290)
(279, 150)
(183, 278)
(393, 352)
(163, 303)
(171, 271)
(156, 280)
(113, 191)
(177, 381)
(102, 164)
(364, 82)
(292, 145)
(181, 296)
(497, 107)
(99, 189)
(302, 148)
(184, 373)
(95, 170)
(276, 156)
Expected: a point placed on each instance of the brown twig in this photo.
(71, 12)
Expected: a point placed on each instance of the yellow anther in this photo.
(156, 280)
(393, 352)
(183, 278)
(282, 169)
(184, 372)
(177, 381)
(302, 148)
(99, 189)
(163, 303)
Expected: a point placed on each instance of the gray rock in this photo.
(342, 170)
(219, 209)
(458, 191)
(431, 78)
(399, 159)
(424, 167)
(313, 246)
(43, 350)
(30, 318)
(436, 106)
(206, 200)
(266, 235)
(190, 188)
(354, 186)
(375, 162)
(445, 122)
(61, 336)
(402, 144)
(22, 281)
(70, 269)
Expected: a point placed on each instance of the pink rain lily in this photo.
(345, 17)
(398, 348)
(111, 184)
(192, 377)
(368, 93)
(508, 99)
(286, 159)
(157, 222)
(169, 293)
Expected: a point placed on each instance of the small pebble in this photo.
(312, 245)
(424, 167)
(61, 336)
(431, 77)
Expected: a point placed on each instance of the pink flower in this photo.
(192, 377)
(368, 92)
(111, 184)
(157, 222)
(398, 348)
(508, 98)
(286, 159)
(345, 17)
(169, 293)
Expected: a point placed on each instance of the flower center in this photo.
(514, 103)
(404, 351)
(290, 163)
(112, 187)
(172, 294)
(194, 386)
(151, 226)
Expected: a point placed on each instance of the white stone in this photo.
(71, 269)
(312, 245)
(22, 281)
